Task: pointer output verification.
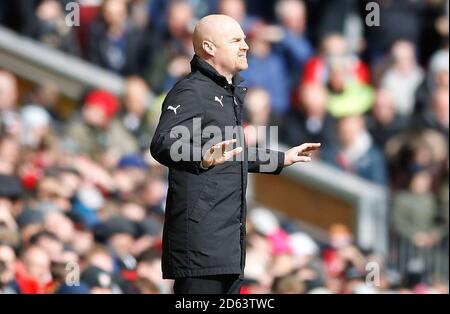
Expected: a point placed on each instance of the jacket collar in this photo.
(198, 64)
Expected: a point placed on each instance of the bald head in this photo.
(212, 28)
(220, 40)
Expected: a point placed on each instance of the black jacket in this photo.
(204, 228)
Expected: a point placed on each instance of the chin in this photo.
(243, 66)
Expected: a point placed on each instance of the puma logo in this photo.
(219, 100)
(174, 109)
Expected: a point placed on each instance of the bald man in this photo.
(204, 228)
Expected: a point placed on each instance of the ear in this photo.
(209, 47)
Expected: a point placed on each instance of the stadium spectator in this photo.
(9, 115)
(46, 94)
(113, 43)
(309, 119)
(257, 110)
(237, 9)
(399, 20)
(148, 268)
(384, 122)
(403, 77)
(48, 25)
(9, 155)
(437, 77)
(346, 96)
(7, 268)
(136, 115)
(356, 152)
(436, 117)
(97, 131)
(290, 38)
(266, 70)
(334, 45)
(171, 60)
(33, 274)
(415, 210)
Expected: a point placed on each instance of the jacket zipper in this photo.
(236, 107)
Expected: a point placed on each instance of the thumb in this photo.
(302, 159)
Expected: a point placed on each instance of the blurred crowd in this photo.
(82, 193)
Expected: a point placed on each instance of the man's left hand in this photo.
(301, 153)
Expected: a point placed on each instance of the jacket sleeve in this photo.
(265, 161)
(177, 139)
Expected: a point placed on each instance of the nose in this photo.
(244, 45)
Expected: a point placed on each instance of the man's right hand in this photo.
(218, 154)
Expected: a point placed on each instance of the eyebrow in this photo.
(239, 38)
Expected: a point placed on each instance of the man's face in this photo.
(258, 106)
(8, 258)
(383, 110)
(234, 8)
(54, 248)
(8, 91)
(95, 116)
(121, 243)
(37, 263)
(441, 104)
(114, 12)
(314, 99)
(349, 129)
(293, 16)
(231, 49)
(102, 260)
(179, 17)
(136, 97)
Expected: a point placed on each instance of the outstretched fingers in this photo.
(219, 154)
(302, 159)
(307, 149)
(229, 154)
(232, 153)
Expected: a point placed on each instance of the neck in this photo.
(316, 115)
(116, 30)
(219, 69)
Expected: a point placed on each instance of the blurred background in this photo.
(79, 191)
